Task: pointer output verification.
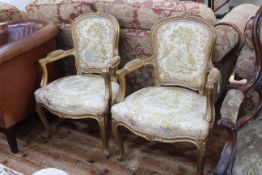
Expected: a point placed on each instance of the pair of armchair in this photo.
(179, 108)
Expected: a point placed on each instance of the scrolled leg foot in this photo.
(118, 139)
(103, 126)
(43, 118)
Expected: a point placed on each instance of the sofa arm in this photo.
(13, 49)
(230, 30)
(239, 16)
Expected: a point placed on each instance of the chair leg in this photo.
(103, 126)
(118, 139)
(201, 158)
(11, 139)
(43, 119)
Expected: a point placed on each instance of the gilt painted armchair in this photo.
(90, 93)
(180, 107)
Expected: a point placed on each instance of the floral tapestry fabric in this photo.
(245, 66)
(9, 12)
(133, 43)
(76, 95)
(249, 152)
(94, 42)
(226, 39)
(165, 112)
(144, 14)
(183, 52)
(239, 21)
(59, 11)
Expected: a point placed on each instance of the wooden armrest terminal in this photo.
(128, 68)
(52, 57)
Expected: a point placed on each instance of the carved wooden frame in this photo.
(106, 72)
(226, 161)
(208, 90)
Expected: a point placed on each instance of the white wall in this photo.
(18, 3)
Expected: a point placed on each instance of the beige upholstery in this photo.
(76, 95)
(239, 20)
(91, 92)
(180, 106)
(94, 41)
(183, 51)
(165, 111)
(231, 105)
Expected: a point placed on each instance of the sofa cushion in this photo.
(9, 12)
(249, 152)
(144, 14)
(59, 11)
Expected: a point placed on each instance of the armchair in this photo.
(90, 93)
(180, 107)
(242, 151)
(23, 43)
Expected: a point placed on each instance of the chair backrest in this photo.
(96, 37)
(182, 48)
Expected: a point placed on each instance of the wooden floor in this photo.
(76, 148)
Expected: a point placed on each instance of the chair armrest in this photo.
(108, 85)
(212, 80)
(52, 57)
(213, 76)
(128, 68)
(114, 62)
(229, 113)
(231, 104)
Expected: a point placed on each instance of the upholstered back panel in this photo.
(182, 47)
(95, 38)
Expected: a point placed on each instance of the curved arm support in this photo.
(229, 113)
(108, 86)
(128, 68)
(52, 57)
(212, 80)
(226, 160)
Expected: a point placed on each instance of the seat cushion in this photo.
(249, 151)
(76, 95)
(165, 112)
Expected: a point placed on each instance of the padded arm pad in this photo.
(231, 105)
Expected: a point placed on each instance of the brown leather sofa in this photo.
(23, 43)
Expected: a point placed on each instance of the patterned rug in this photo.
(76, 148)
